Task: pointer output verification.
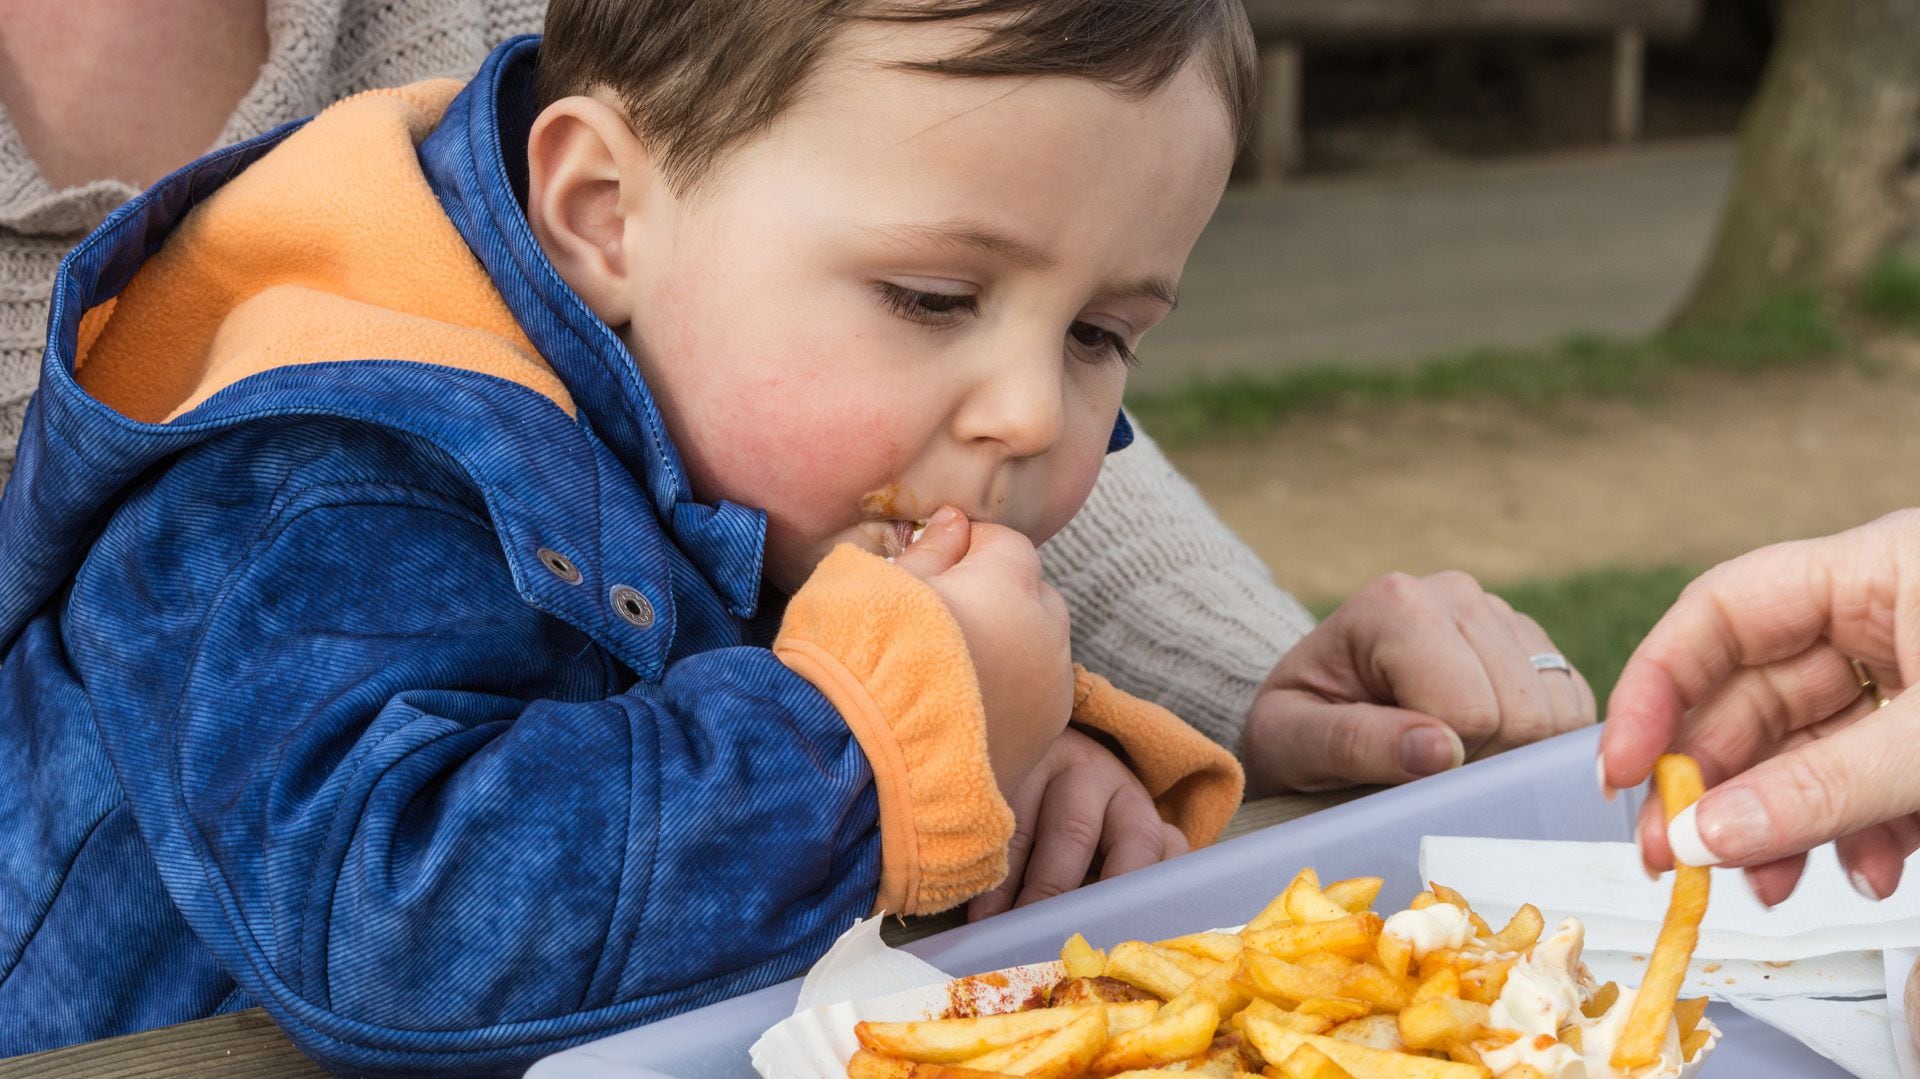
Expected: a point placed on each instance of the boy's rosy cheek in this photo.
(833, 458)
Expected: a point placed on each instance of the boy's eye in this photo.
(922, 305)
(1106, 343)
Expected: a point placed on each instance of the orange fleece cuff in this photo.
(1195, 784)
(885, 651)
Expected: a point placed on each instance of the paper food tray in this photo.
(816, 1044)
(1541, 791)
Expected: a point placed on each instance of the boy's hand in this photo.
(1081, 801)
(1015, 625)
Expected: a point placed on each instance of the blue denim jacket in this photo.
(295, 711)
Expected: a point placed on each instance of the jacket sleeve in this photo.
(431, 827)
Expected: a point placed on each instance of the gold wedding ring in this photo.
(1868, 685)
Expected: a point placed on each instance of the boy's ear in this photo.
(587, 175)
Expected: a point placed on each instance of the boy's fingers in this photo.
(1135, 836)
(1025, 804)
(940, 547)
(1066, 838)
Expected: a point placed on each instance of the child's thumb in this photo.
(943, 543)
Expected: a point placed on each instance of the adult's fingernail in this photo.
(1736, 829)
(1861, 884)
(1425, 751)
(1683, 835)
(1600, 776)
(942, 516)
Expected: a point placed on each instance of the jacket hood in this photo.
(332, 247)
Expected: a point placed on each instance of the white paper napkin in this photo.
(1899, 962)
(1811, 967)
(1603, 884)
(861, 965)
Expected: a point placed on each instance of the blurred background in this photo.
(1580, 296)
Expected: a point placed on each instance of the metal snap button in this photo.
(559, 565)
(632, 606)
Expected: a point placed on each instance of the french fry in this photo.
(1395, 953)
(1337, 1009)
(1170, 1037)
(1443, 983)
(1081, 959)
(1278, 1043)
(1351, 935)
(1307, 1062)
(1289, 983)
(1677, 777)
(1378, 1031)
(1065, 1052)
(1437, 1021)
(1141, 964)
(1356, 893)
(1484, 982)
(1601, 1001)
(950, 1041)
(1307, 903)
(1363, 981)
(867, 1064)
(1274, 913)
(1126, 1015)
(1217, 947)
(1217, 989)
(1523, 1071)
(1691, 1045)
(1522, 931)
(1688, 1013)
(1448, 895)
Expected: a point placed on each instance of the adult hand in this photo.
(1751, 674)
(1410, 676)
(1078, 805)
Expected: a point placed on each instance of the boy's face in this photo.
(916, 291)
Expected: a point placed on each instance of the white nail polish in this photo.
(1683, 835)
(1862, 885)
(1600, 777)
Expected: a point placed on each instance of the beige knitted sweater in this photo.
(1165, 600)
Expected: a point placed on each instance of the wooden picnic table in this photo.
(246, 1045)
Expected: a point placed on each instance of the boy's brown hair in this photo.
(699, 77)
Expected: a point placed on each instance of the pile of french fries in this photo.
(1311, 988)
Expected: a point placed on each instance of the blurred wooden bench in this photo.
(1285, 27)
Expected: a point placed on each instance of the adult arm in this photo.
(1165, 600)
(1410, 676)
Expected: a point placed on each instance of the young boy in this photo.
(461, 586)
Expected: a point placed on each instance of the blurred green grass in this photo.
(1891, 291)
(1595, 617)
(1793, 329)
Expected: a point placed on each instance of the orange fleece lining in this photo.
(883, 649)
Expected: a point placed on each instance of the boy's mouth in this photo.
(898, 535)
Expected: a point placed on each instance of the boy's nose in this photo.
(1020, 403)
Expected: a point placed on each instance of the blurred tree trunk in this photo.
(1826, 173)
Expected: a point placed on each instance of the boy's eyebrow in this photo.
(975, 236)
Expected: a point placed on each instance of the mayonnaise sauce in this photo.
(1431, 928)
(1542, 995)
